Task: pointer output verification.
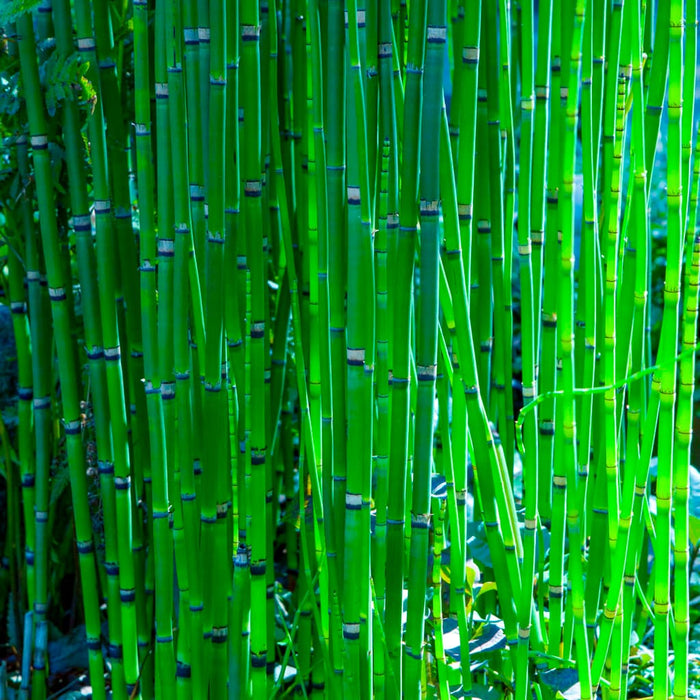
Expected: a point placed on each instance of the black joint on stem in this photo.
(183, 670)
(127, 595)
(258, 569)
(85, 547)
(258, 660)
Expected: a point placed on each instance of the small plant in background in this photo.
(355, 348)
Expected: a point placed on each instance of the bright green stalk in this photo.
(502, 141)
(528, 317)
(635, 576)
(639, 246)
(681, 455)
(67, 370)
(612, 449)
(540, 140)
(480, 279)
(547, 336)
(690, 61)
(562, 455)
(501, 246)
(402, 272)
(497, 501)
(589, 266)
(457, 75)
(566, 406)
(668, 343)
(614, 133)
(599, 31)
(437, 514)
(467, 128)
(454, 474)
(465, 196)
(636, 410)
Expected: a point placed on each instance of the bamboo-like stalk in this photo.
(681, 456)
(67, 369)
(669, 340)
(426, 343)
(402, 269)
(315, 362)
(566, 406)
(528, 343)
(34, 434)
(93, 338)
(360, 366)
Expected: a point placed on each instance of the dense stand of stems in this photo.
(355, 236)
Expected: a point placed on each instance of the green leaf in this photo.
(489, 637)
(12, 9)
(562, 682)
(59, 484)
(486, 588)
(473, 573)
(694, 529)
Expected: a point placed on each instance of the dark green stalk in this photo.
(67, 370)
(658, 75)
(28, 354)
(166, 346)
(426, 343)
(126, 281)
(360, 367)
(34, 391)
(216, 495)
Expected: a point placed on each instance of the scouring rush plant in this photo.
(354, 307)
